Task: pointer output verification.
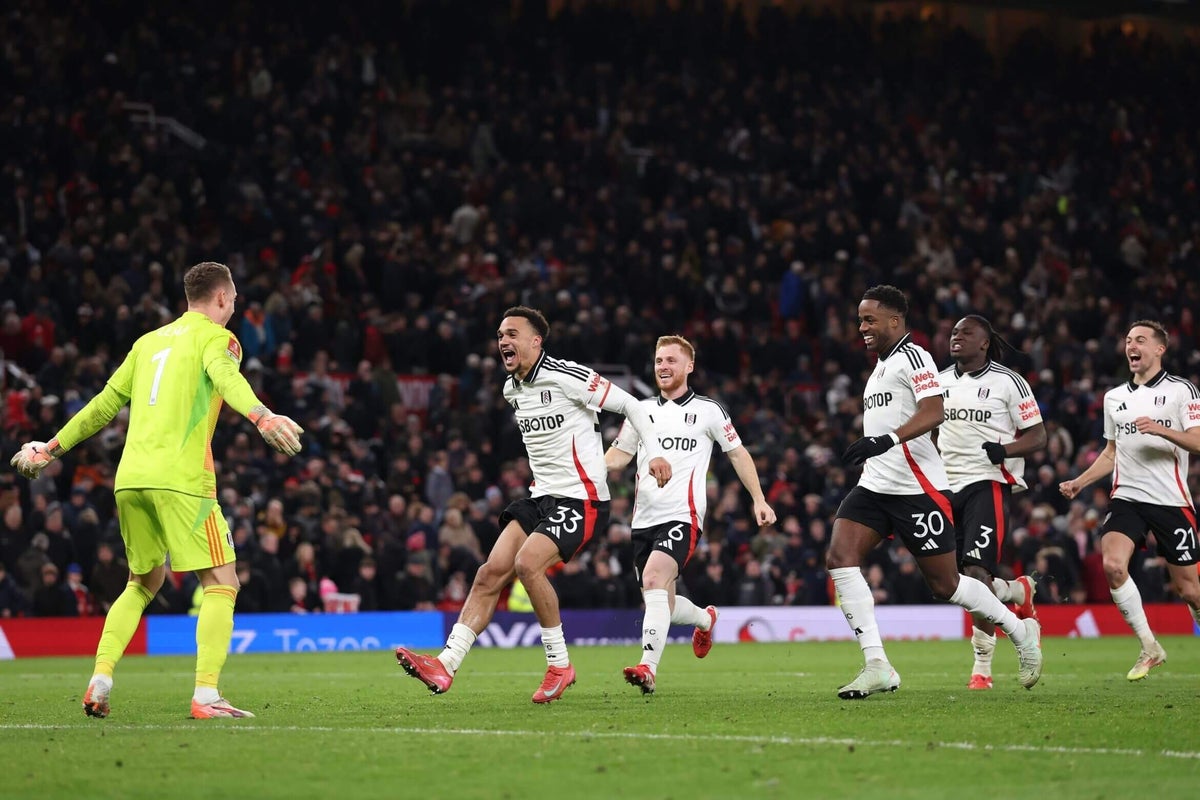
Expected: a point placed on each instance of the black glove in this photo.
(867, 447)
(995, 452)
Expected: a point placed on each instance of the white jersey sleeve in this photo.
(1110, 424)
(721, 428)
(591, 391)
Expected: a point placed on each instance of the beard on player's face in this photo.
(671, 381)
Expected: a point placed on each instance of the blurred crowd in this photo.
(385, 179)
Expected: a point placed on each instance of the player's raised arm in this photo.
(221, 360)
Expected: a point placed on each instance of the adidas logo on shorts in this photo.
(930, 545)
(975, 554)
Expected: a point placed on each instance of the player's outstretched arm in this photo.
(622, 402)
(1102, 466)
(34, 457)
(743, 465)
(280, 432)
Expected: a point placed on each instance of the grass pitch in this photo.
(751, 720)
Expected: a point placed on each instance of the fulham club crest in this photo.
(1160, 399)
(983, 393)
(545, 397)
(690, 419)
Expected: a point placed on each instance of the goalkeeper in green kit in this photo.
(174, 380)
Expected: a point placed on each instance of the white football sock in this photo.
(1007, 591)
(206, 695)
(688, 613)
(858, 606)
(1129, 600)
(977, 598)
(984, 646)
(556, 646)
(457, 644)
(654, 627)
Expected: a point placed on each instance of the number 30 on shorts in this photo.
(930, 523)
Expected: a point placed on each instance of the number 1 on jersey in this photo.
(161, 358)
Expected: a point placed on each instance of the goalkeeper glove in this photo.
(32, 459)
(280, 432)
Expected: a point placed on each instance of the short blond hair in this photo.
(663, 341)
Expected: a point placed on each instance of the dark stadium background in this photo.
(384, 179)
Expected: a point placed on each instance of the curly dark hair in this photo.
(888, 296)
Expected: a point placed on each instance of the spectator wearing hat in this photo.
(84, 606)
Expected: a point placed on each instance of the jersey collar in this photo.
(905, 339)
(683, 401)
(958, 373)
(1155, 381)
(530, 376)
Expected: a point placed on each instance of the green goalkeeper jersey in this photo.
(174, 379)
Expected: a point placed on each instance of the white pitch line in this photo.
(823, 741)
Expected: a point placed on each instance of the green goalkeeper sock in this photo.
(214, 629)
(120, 625)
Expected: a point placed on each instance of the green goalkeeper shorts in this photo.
(155, 522)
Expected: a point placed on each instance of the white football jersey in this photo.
(988, 405)
(686, 429)
(904, 375)
(555, 408)
(1149, 468)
